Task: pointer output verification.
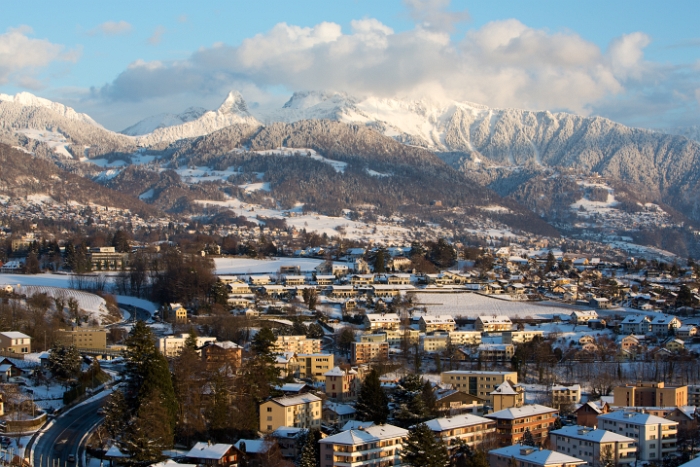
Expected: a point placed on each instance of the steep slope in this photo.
(232, 111)
(151, 124)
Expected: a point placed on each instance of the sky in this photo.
(634, 61)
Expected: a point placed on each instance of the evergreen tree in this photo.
(263, 341)
(528, 440)
(372, 402)
(422, 449)
(557, 424)
(311, 453)
(147, 436)
(380, 261)
(64, 362)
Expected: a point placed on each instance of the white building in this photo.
(655, 436)
(594, 445)
(377, 445)
(171, 346)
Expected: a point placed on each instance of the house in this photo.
(629, 343)
(593, 445)
(337, 414)
(254, 451)
(655, 436)
(507, 395)
(290, 441)
(520, 337)
(496, 352)
(453, 402)
(342, 384)
(528, 456)
(435, 343)
(207, 454)
(583, 316)
(294, 280)
(468, 429)
(478, 383)
(171, 346)
(635, 324)
(565, 394)
(601, 303)
(342, 291)
(664, 325)
(366, 352)
(218, 354)
(493, 323)
(325, 279)
(259, 280)
(458, 338)
(364, 446)
(177, 312)
(15, 342)
(587, 414)
(650, 394)
(675, 345)
(428, 323)
(301, 411)
(399, 279)
(685, 332)
(512, 423)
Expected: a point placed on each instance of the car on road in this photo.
(71, 457)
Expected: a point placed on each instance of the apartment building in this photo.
(83, 338)
(301, 411)
(458, 338)
(297, 344)
(655, 436)
(512, 423)
(376, 321)
(520, 337)
(650, 394)
(171, 346)
(313, 365)
(478, 383)
(429, 323)
(375, 446)
(563, 394)
(582, 317)
(493, 323)
(595, 446)
(527, 456)
(342, 384)
(218, 354)
(435, 343)
(468, 429)
(396, 336)
(496, 352)
(366, 352)
(15, 342)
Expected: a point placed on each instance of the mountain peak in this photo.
(27, 99)
(234, 104)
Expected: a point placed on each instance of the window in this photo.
(269, 409)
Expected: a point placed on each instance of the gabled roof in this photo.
(208, 451)
(637, 418)
(536, 456)
(458, 421)
(520, 412)
(589, 434)
(289, 401)
(366, 435)
(505, 389)
(15, 335)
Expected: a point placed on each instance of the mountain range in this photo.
(458, 143)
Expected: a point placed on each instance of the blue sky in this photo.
(636, 62)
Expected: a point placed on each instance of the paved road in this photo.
(64, 436)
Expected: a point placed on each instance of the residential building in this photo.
(587, 414)
(337, 414)
(493, 323)
(313, 366)
(450, 402)
(302, 411)
(478, 383)
(507, 395)
(342, 384)
(520, 337)
(207, 454)
(694, 395)
(635, 324)
(15, 342)
(218, 354)
(428, 323)
(458, 338)
(468, 429)
(396, 336)
(171, 346)
(372, 446)
(664, 325)
(106, 258)
(650, 394)
(583, 316)
(90, 338)
(496, 352)
(595, 446)
(366, 352)
(376, 321)
(177, 312)
(297, 344)
(565, 394)
(435, 343)
(655, 436)
(512, 423)
(527, 456)
(290, 441)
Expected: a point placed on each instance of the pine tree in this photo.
(528, 440)
(64, 362)
(422, 449)
(308, 454)
(147, 436)
(263, 341)
(116, 415)
(372, 402)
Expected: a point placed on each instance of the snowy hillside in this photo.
(151, 124)
(25, 99)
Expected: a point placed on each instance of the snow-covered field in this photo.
(94, 305)
(473, 305)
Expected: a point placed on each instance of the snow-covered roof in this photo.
(367, 434)
(208, 451)
(336, 371)
(458, 421)
(289, 401)
(501, 319)
(355, 424)
(15, 335)
(340, 409)
(382, 318)
(536, 456)
(636, 418)
(520, 412)
(560, 387)
(252, 446)
(505, 388)
(439, 319)
(589, 434)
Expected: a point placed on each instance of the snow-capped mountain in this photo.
(151, 124)
(25, 99)
(232, 111)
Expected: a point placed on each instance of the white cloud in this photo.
(157, 35)
(112, 28)
(22, 57)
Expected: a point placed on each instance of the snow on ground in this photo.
(53, 139)
(137, 302)
(246, 266)
(94, 305)
(473, 305)
(337, 165)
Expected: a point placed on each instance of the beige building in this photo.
(313, 365)
(342, 384)
(375, 446)
(520, 337)
(297, 344)
(83, 338)
(458, 338)
(478, 383)
(496, 352)
(366, 352)
(493, 323)
(376, 321)
(594, 446)
(468, 429)
(508, 395)
(435, 343)
(395, 336)
(650, 394)
(513, 423)
(171, 346)
(302, 411)
(15, 342)
(563, 395)
(177, 312)
(428, 323)
(106, 258)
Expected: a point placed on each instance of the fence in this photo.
(22, 426)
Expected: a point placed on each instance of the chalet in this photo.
(587, 414)
(685, 332)
(207, 454)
